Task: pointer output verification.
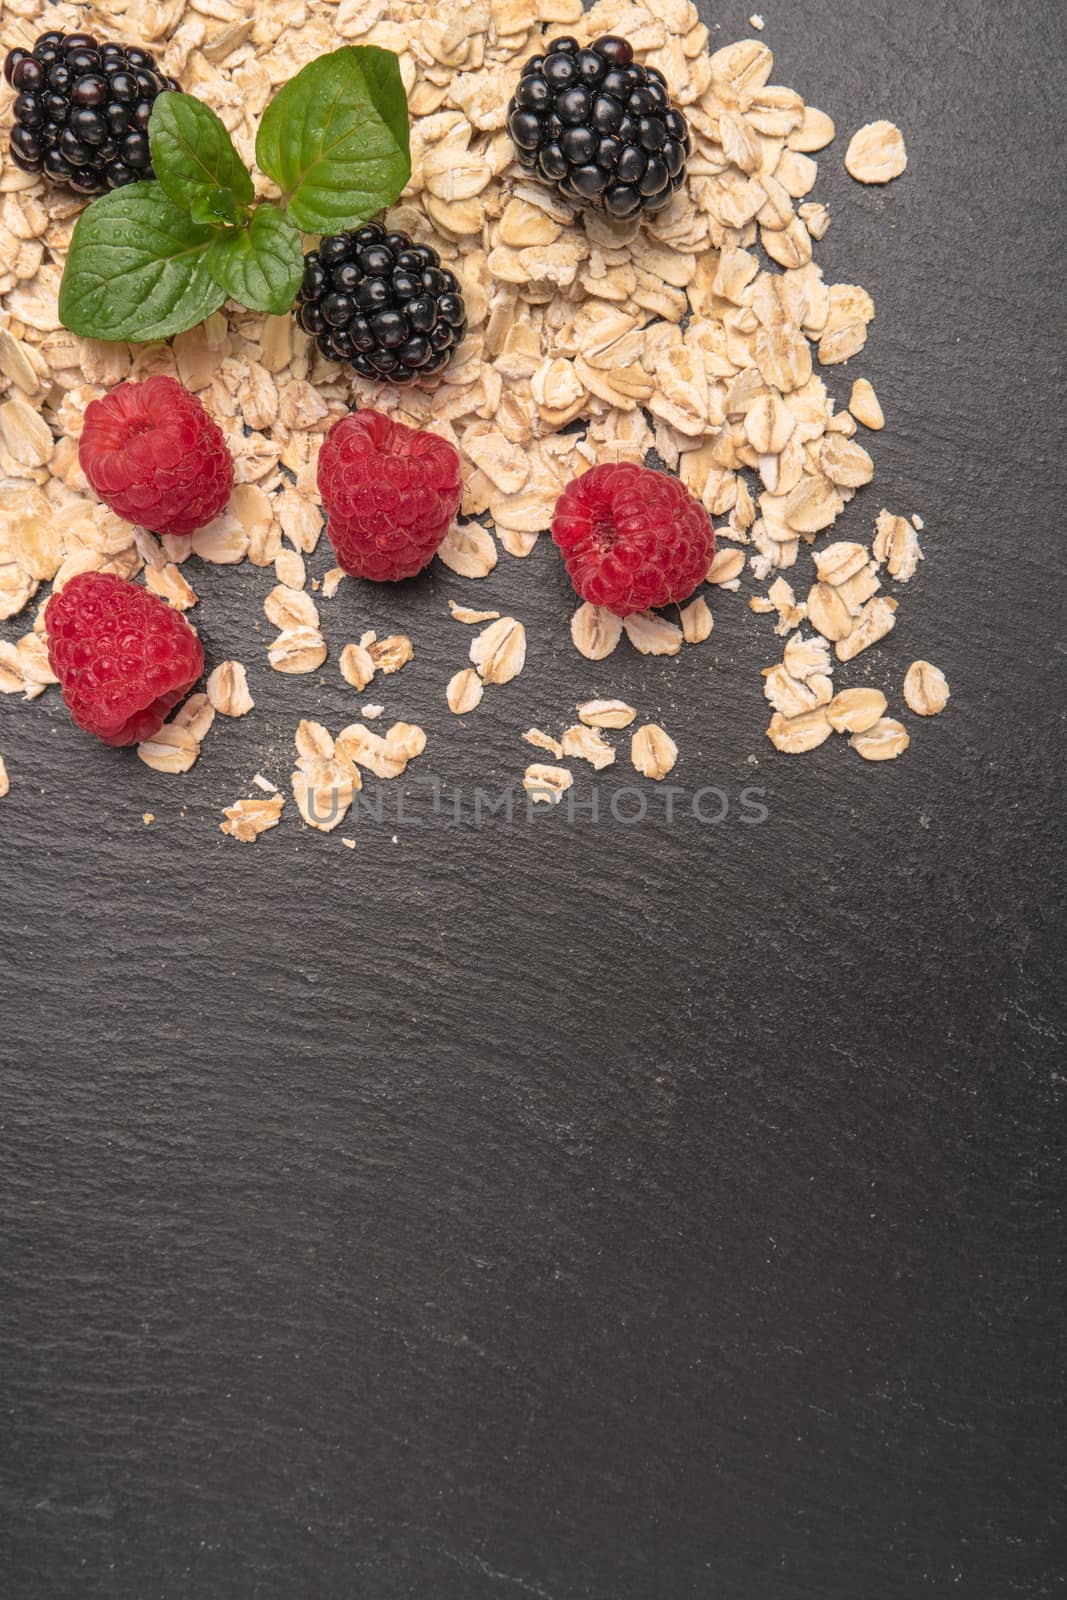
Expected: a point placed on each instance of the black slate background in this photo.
(571, 1209)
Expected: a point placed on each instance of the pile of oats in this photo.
(698, 333)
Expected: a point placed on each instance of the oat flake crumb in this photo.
(247, 819)
(5, 781)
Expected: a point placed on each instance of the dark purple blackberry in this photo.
(82, 111)
(599, 128)
(382, 303)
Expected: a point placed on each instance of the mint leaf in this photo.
(193, 156)
(336, 138)
(261, 264)
(218, 209)
(137, 268)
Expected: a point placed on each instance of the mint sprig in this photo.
(155, 258)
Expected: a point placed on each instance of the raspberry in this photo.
(632, 538)
(599, 127)
(391, 493)
(152, 454)
(123, 657)
(81, 116)
(382, 303)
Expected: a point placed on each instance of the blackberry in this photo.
(82, 110)
(599, 127)
(382, 303)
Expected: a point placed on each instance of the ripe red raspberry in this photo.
(154, 456)
(632, 538)
(390, 492)
(123, 657)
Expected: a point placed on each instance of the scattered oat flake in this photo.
(499, 651)
(357, 665)
(828, 612)
(586, 744)
(465, 614)
(839, 562)
(169, 584)
(464, 692)
(297, 650)
(173, 749)
(247, 819)
(805, 658)
(605, 713)
(227, 689)
(652, 635)
(876, 619)
(372, 712)
(595, 631)
(289, 569)
(389, 655)
(896, 543)
(876, 153)
(387, 756)
(148, 817)
(796, 735)
(349, 844)
(291, 608)
(469, 552)
(926, 690)
(697, 621)
(726, 566)
(865, 405)
(756, 21)
(546, 785)
(855, 710)
(265, 784)
(653, 752)
(884, 741)
(332, 581)
(794, 696)
(544, 741)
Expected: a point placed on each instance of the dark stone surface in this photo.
(588, 1212)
